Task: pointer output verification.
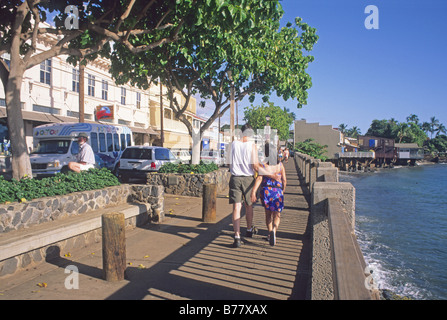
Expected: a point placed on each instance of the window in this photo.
(134, 153)
(44, 109)
(167, 113)
(45, 71)
(109, 142)
(75, 80)
(116, 142)
(105, 90)
(123, 141)
(128, 139)
(163, 154)
(123, 96)
(91, 85)
(102, 142)
(52, 147)
(138, 100)
(94, 141)
(74, 147)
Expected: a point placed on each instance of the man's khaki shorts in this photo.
(240, 189)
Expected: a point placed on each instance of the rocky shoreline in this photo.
(386, 294)
(372, 170)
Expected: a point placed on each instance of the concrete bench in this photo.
(19, 242)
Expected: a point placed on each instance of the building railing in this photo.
(338, 265)
(360, 154)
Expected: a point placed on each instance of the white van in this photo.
(56, 145)
(211, 156)
(183, 155)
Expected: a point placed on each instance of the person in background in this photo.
(280, 155)
(85, 159)
(286, 155)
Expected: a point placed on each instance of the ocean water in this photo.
(401, 226)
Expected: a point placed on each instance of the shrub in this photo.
(60, 184)
(188, 168)
(312, 149)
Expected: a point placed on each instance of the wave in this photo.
(398, 278)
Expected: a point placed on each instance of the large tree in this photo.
(136, 25)
(280, 119)
(253, 55)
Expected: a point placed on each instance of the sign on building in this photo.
(104, 113)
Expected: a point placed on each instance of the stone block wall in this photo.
(187, 184)
(16, 216)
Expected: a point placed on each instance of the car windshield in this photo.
(52, 147)
(135, 153)
(164, 154)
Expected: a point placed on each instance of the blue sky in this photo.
(360, 75)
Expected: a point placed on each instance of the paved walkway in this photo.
(183, 258)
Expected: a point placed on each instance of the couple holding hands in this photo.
(270, 179)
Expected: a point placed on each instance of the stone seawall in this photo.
(337, 262)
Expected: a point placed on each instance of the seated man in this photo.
(85, 159)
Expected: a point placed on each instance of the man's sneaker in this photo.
(272, 238)
(237, 242)
(250, 233)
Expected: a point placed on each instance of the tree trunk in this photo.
(20, 162)
(196, 140)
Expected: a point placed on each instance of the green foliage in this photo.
(60, 184)
(312, 149)
(353, 132)
(437, 144)
(280, 119)
(411, 131)
(401, 132)
(200, 168)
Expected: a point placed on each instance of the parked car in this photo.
(183, 155)
(211, 156)
(137, 161)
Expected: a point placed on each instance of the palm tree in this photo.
(342, 127)
(413, 118)
(354, 132)
(425, 127)
(441, 129)
(434, 124)
(402, 131)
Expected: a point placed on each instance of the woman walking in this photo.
(272, 196)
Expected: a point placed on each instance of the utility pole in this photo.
(237, 113)
(162, 134)
(231, 106)
(81, 91)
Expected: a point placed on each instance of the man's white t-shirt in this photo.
(242, 158)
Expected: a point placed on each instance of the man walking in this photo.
(244, 162)
(85, 159)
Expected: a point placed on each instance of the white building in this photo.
(50, 93)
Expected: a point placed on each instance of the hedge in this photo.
(59, 184)
(188, 168)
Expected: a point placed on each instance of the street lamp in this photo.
(267, 118)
